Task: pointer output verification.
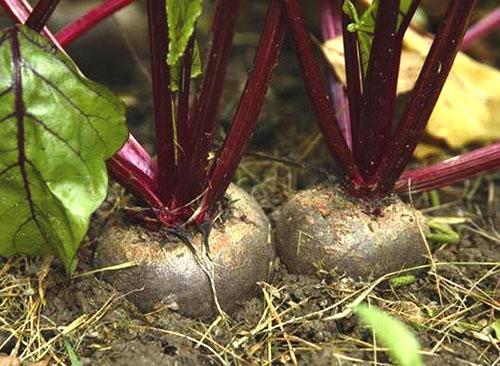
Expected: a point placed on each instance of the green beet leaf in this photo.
(56, 130)
(181, 18)
(402, 344)
(364, 25)
(175, 70)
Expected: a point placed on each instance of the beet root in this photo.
(240, 254)
(323, 228)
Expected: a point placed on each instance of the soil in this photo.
(450, 308)
(298, 319)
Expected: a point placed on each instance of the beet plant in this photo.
(57, 129)
(191, 233)
(360, 227)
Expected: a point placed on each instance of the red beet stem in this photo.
(450, 171)
(424, 96)
(374, 125)
(19, 11)
(162, 99)
(405, 23)
(379, 89)
(41, 13)
(323, 108)
(183, 132)
(88, 20)
(193, 174)
(250, 104)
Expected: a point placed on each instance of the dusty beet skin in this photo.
(168, 274)
(323, 228)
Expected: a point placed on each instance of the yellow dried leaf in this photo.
(9, 361)
(468, 109)
(408, 72)
(333, 50)
(424, 151)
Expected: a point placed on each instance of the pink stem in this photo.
(331, 28)
(450, 171)
(134, 169)
(87, 21)
(250, 104)
(19, 11)
(482, 28)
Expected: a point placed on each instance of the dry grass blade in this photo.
(25, 331)
(106, 269)
(190, 338)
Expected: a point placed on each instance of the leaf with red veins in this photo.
(56, 130)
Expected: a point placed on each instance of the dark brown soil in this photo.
(120, 338)
(121, 335)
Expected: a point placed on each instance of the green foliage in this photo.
(364, 25)
(441, 233)
(181, 18)
(73, 357)
(56, 130)
(402, 344)
(402, 281)
(495, 326)
(175, 70)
